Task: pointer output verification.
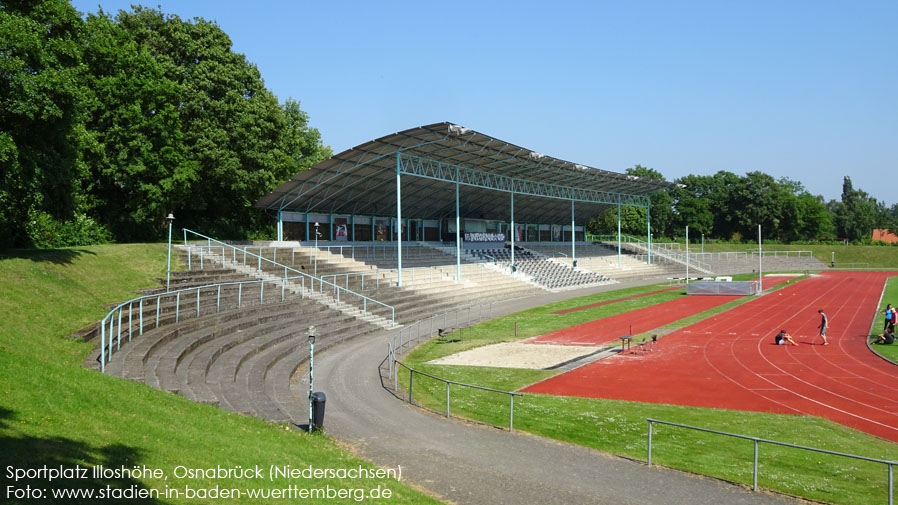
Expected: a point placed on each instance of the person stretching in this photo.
(783, 337)
(887, 337)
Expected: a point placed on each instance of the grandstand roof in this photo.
(433, 158)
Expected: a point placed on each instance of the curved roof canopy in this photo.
(432, 159)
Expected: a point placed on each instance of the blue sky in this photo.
(805, 90)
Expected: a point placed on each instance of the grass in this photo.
(890, 295)
(620, 427)
(865, 256)
(54, 412)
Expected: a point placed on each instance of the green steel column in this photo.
(457, 237)
(398, 221)
(649, 222)
(618, 237)
(573, 238)
(280, 227)
(512, 232)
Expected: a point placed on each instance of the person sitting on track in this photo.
(783, 337)
(887, 337)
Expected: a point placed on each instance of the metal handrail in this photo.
(757, 440)
(321, 283)
(106, 349)
(396, 344)
(386, 272)
(411, 375)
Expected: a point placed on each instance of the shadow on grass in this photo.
(56, 256)
(34, 454)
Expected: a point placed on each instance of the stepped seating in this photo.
(227, 358)
(544, 271)
(423, 291)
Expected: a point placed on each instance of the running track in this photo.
(608, 329)
(729, 360)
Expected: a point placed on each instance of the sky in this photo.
(801, 89)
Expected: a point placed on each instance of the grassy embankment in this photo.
(856, 256)
(890, 295)
(619, 427)
(56, 413)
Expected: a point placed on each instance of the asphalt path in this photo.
(468, 463)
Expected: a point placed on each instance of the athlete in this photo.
(890, 317)
(887, 337)
(824, 324)
(783, 337)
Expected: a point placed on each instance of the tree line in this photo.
(726, 206)
(108, 123)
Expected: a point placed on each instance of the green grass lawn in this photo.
(872, 256)
(54, 412)
(620, 427)
(889, 296)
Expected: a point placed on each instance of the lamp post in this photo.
(316, 248)
(312, 332)
(170, 217)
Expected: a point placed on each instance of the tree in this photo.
(857, 214)
(137, 159)
(40, 89)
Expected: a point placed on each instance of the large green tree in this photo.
(40, 88)
(241, 141)
(137, 158)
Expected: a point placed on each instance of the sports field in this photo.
(730, 360)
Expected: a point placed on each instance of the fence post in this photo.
(239, 294)
(891, 487)
(447, 400)
(158, 300)
(511, 415)
(218, 300)
(118, 340)
(103, 350)
(188, 258)
(261, 292)
(140, 316)
(411, 376)
(650, 443)
(130, 330)
(198, 302)
(754, 486)
(178, 307)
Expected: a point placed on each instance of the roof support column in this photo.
(573, 239)
(398, 222)
(513, 230)
(280, 227)
(307, 226)
(457, 236)
(648, 212)
(618, 237)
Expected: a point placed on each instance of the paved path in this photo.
(466, 463)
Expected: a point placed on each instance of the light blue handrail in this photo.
(312, 279)
(113, 319)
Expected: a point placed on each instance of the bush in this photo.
(46, 232)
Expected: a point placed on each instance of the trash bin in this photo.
(318, 401)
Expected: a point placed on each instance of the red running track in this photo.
(599, 304)
(730, 361)
(608, 329)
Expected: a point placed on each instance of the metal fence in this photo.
(757, 441)
(422, 330)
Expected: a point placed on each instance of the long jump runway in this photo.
(730, 360)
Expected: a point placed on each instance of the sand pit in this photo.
(518, 355)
